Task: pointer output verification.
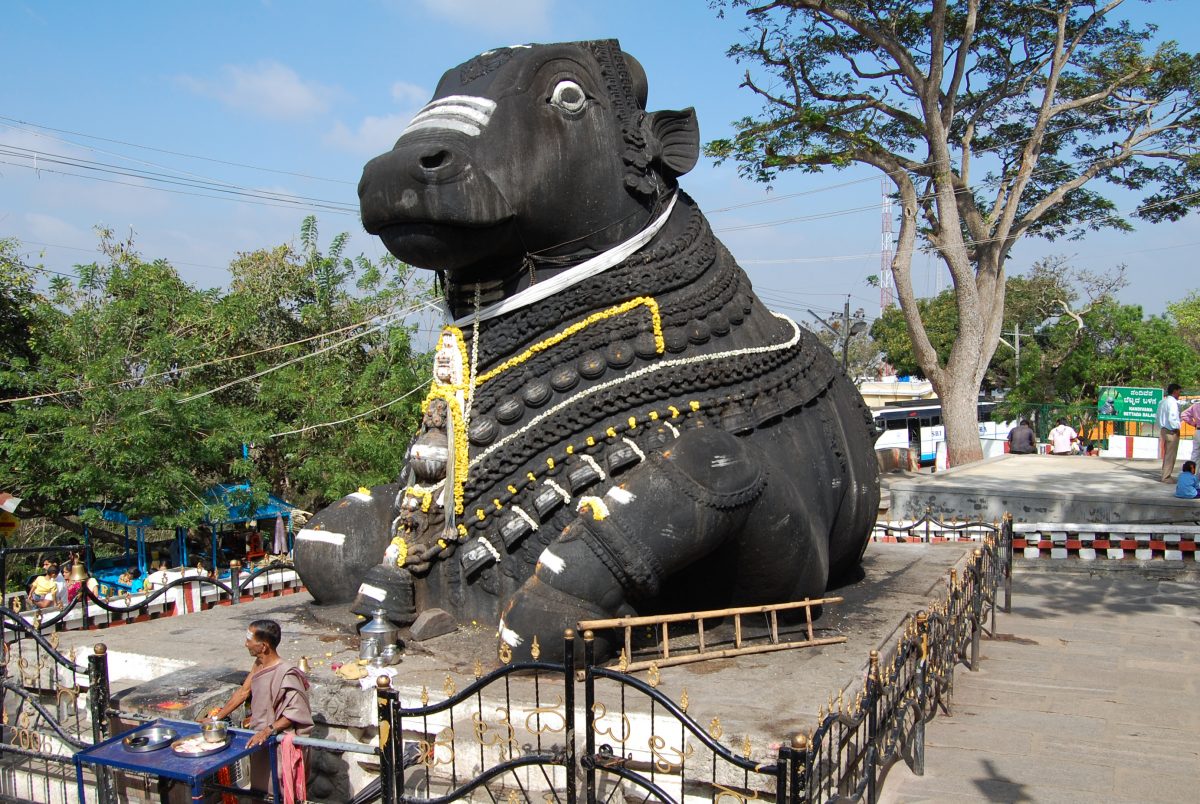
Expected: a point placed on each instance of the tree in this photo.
(1046, 99)
(863, 356)
(1186, 314)
(16, 294)
(143, 390)
(281, 296)
(1051, 290)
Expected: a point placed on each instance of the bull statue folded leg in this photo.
(616, 425)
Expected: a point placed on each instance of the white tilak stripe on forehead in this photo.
(486, 105)
(449, 124)
(467, 113)
(642, 372)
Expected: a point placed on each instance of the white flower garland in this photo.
(519, 511)
(561, 491)
(637, 450)
(642, 372)
(491, 547)
(590, 461)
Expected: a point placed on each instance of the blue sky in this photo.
(301, 94)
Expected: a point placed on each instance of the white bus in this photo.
(920, 422)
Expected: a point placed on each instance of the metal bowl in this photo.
(214, 731)
(151, 739)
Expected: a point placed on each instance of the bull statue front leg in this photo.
(685, 502)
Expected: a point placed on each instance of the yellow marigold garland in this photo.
(447, 393)
(401, 550)
(595, 505)
(557, 338)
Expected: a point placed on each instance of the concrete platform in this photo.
(1044, 488)
(178, 667)
(1089, 693)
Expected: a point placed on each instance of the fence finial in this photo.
(100, 649)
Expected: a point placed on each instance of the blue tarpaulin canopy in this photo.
(234, 498)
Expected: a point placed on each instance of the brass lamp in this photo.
(79, 573)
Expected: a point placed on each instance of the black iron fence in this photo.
(52, 705)
(638, 744)
(511, 735)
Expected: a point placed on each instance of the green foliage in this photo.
(151, 387)
(835, 78)
(1070, 345)
(1186, 314)
(891, 333)
(994, 121)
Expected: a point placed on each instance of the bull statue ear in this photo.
(673, 139)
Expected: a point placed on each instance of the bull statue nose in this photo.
(435, 159)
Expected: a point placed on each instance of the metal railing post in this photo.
(1006, 543)
(569, 708)
(873, 688)
(98, 702)
(589, 700)
(388, 738)
(235, 574)
(918, 748)
(783, 773)
(976, 606)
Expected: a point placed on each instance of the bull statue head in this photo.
(528, 158)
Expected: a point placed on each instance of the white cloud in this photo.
(408, 94)
(513, 16)
(268, 89)
(52, 229)
(378, 133)
(373, 136)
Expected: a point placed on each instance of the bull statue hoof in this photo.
(616, 424)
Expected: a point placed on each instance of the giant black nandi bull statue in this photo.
(616, 423)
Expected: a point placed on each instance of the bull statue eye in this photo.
(568, 96)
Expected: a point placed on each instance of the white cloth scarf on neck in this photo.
(598, 264)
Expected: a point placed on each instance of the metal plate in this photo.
(214, 748)
(151, 739)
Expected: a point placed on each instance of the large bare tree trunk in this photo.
(960, 415)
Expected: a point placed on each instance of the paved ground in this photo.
(197, 659)
(1091, 693)
(1044, 488)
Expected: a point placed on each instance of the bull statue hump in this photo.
(616, 425)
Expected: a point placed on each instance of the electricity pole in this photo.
(844, 329)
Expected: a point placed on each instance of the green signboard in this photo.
(1117, 404)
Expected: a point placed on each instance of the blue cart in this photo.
(166, 764)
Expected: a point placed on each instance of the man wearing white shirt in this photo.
(1168, 430)
(1062, 438)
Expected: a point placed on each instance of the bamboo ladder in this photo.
(739, 648)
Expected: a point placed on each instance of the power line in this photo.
(405, 395)
(98, 251)
(169, 177)
(175, 153)
(384, 318)
(175, 192)
(37, 161)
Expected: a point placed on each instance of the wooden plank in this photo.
(728, 652)
(692, 616)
